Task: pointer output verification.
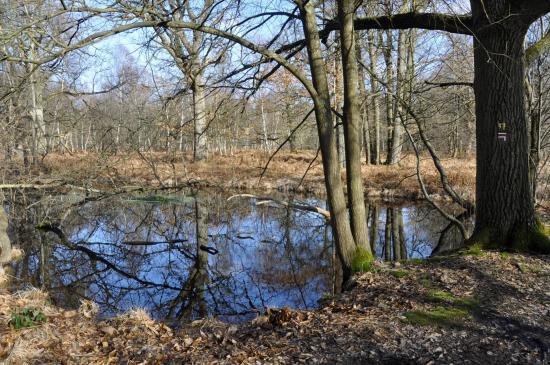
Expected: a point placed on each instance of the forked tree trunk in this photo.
(344, 242)
(505, 214)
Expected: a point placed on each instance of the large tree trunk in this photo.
(534, 103)
(505, 214)
(345, 244)
(352, 125)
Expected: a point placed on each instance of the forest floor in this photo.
(242, 171)
(481, 308)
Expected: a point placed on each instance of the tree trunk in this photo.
(352, 125)
(345, 244)
(200, 145)
(5, 243)
(389, 90)
(373, 60)
(394, 155)
(505, 214)
(363, 107)
(534, 137)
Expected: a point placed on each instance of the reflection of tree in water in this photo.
(400, 233)
(125, 253)
(148, 255)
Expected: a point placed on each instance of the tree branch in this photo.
(460, 24)
(537, 49)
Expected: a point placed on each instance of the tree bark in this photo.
(389, 90)
(200, 145)
(345, 244)
(394, 155)
(352, 125)
(505, 213)
(373, 60)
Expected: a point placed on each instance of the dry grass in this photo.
(242, 170)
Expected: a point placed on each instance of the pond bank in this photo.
(486, 308)
(242, 170)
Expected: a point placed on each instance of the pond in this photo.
(184, 257)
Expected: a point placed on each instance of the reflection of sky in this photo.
(248, 242)
(268, 257)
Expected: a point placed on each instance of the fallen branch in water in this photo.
(298, 206)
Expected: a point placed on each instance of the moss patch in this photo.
(537, 270)
(426, 281)
(446, 297)
(399, 273)
(362, 260)
(476, 249)
(439, 316)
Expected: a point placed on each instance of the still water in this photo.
(190, 256)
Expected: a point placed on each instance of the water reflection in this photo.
(197, 255)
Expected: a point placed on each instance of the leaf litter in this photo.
(507, 320)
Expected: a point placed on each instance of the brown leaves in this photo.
(362, 326)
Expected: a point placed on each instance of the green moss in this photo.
(362, 260)
(446, 297)
(505, 255)
(481, 239)
(535, 239)
(439, 316)
(415, 261)
(440, 295)
(476, 249)
(399, 273)
(426, 281)
(44, 225)
(534, 269)
(539, 242)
